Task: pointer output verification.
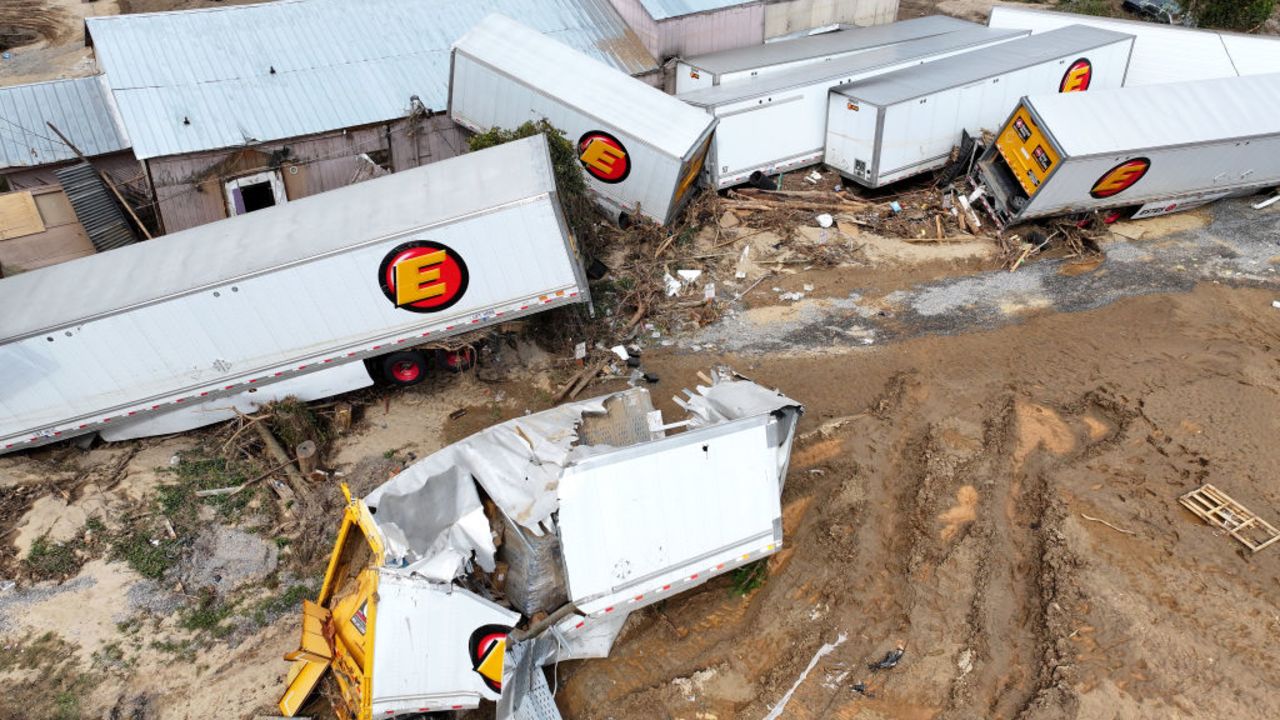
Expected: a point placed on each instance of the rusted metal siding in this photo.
(645, 27)
(121, 166)
(723, 29)
(788, 16)
(190, 190)
(434, 139)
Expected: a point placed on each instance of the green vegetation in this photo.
(150, 557)
(1232, 14)
(53, 560)
(46, 680)
(575, 198)
(208, 616)
(288, 601)
(749, 578)
(1088, 7)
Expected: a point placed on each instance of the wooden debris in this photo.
(308, 457)
(1219, 509)
(342, 417)
(1104, 522)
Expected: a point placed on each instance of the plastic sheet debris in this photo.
(890, 659)
(671, 284)
(621, 352)
(825, 220)
(895, 206)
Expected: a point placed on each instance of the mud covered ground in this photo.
(937, 501)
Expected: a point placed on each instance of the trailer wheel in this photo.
(458, 360)
(405, 368)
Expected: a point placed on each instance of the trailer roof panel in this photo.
(1191, 113)
(862, 62)
(988, 62)
(580, 81)
(1162, 53)
(226, 250)
(813, 46)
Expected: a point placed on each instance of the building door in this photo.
(254, 192)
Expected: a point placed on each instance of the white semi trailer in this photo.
(748, 63)
(1156, 148)
(779, 122)
(908, 122)
(641, 149)
(184, 330)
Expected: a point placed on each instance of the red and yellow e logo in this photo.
(1120, 178)
(604, 157)
(1077, 77)
(423, 276)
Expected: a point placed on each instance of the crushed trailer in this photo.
(1156, 149)
(531, 542)
(188, 329)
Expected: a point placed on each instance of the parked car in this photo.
(1164, 11)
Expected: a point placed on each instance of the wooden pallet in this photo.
(1218, 508)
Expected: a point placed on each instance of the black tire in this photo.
(405, 368)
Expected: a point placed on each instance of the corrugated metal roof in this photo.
(862, 62)
(204, 79)
(578, 81)
(817, 46)
(80, 107)
(1190, 113)
(255, 242)
(98, 212)
(663, 9)
(980, 64)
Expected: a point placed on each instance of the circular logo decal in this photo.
(1120, 178)
(488, 648)
(423, 276)
(1077, 77)
(604, 157)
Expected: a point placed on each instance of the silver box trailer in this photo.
(779, 122)
(185, 330)
(751, 62)
(1159, 148)
(640, 148)
(1162, 53)
(907, 122)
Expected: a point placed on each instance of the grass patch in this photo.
(749, 578)
(290, 600)
(150, 557)
(51, 683)
(1088, 7)
(49, 560)
(208, 616)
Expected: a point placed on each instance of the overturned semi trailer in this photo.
(532, 541)
(1155, 149)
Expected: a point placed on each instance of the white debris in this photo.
(825, 220)
(672, 284)
(823, 651)
(621, 352)
(808, 288)
(1275, 304)
(580, 351)
(791, 296)
(688, 276)
(709, 292)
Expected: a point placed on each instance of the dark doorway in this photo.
(257, 196)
